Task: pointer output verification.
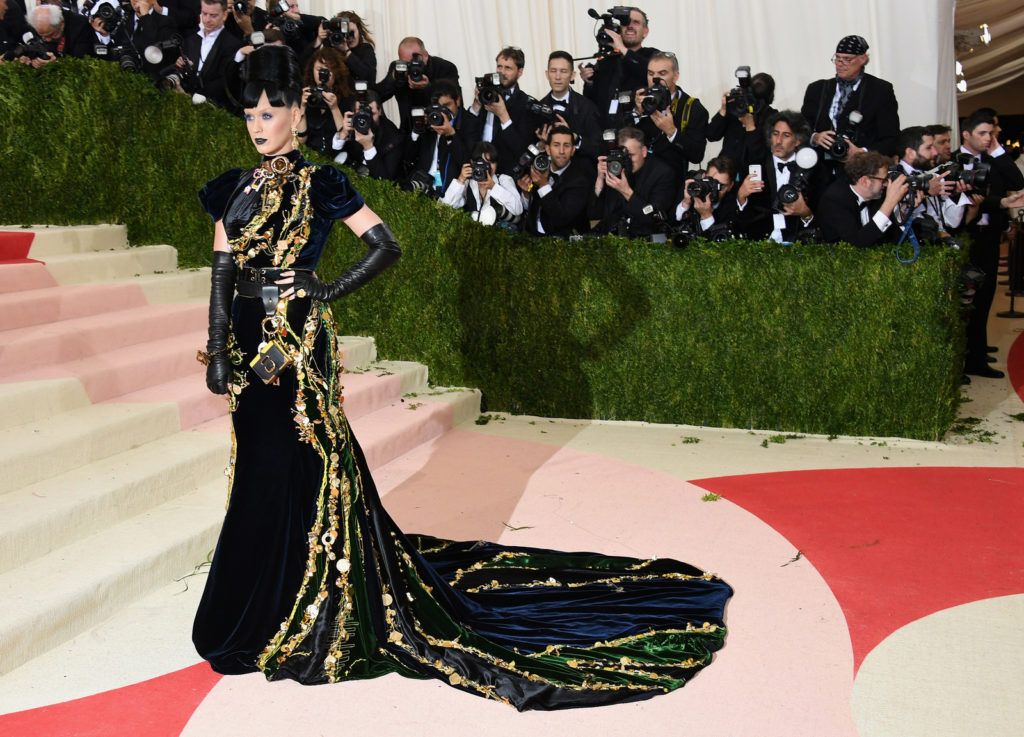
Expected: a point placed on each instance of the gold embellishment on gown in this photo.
(284, 244)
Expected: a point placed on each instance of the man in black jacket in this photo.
(382, 147)
(619, 201)
(147, 28)
(183, 13)
(859, 210)
(506, 121)
(761, 214)
(829, 103)
(742, 133)
(977, 133)
(211, 52)
(412, 93)
(439, 152)
(625, 69)
(716, 212)
(13, 25)
(64, 33)
(677, 133)
(556, 200)
(574, 111)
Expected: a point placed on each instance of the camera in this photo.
(420, 182)
(410, 71)
(316, 95)
(976, 177)
(799, 176)
(840, 148)
(540, 110)
(490, 88)
(240, 6)
(277, 18)
(437, 115)
(418, 120)
(362, 120)
(157, 53)
(741, 100)
(481, 170)
(618, 162)
(611, 20)
(31, 47)
(915, 182)
(339, 32)
(654, 98)
(125, 55)
(110, 16)
(704, 187)
(533, 158)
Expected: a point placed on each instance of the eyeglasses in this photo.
(843, 61)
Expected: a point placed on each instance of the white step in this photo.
(31, 401)
(178, 286)
(62, 239)
(39, 450)
(79, 268)
(56, 596)
(105, 492)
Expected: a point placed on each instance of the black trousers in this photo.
(985, 256)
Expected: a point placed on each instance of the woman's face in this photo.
(355, 40)
(317, 66)
(270, 128)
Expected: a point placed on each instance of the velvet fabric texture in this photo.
(311, 579)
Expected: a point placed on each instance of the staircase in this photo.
(112, 450)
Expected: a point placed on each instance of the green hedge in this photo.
(824, 339)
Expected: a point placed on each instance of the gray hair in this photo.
(46, 16)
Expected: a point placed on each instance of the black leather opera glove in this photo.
(384, 251)
(222, 291)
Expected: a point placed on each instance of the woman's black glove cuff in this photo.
(384, 251)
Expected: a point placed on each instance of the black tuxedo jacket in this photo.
(511, 142)
(875, 100)
(838, 216)
(390, 145)
(725, 211)
(147, 31)
(79, 38)
(563, 210)
(215, 70)
(185, 14)
(689, 144)
(738, 144)
(615, 73)
(1003, 176)
(407, 98)
(582, 116)
(13, 27)
(756, 220)
(653, 185)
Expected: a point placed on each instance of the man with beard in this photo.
(761, 215)
(859, 209)
(919, 154)
(626, 69)
(556, 200)
(506, 122)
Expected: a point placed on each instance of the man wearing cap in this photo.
(828, 104)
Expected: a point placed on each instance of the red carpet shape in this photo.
(1015, 365)
(159, 707)
(14, 247)
(896, 544)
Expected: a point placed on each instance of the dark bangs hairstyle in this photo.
(274, 70)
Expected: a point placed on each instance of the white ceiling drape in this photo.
(1002, 61)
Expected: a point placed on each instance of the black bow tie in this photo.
(554, 177)
(782, 166)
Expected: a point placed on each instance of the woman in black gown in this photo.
(311, 579)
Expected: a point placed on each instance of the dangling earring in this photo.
(295, 137)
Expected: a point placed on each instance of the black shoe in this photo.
(990, 359)
(991, 349)
(986, 372)
(965, 380)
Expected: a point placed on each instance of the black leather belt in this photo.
(260, 284)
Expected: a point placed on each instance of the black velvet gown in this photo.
(311, 579)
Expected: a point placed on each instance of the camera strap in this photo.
(684, 121)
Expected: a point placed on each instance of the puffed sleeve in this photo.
(215, 193)
(333, 195)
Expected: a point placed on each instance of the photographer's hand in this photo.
(602, 174)
(798, 207)
(423, 83)
(620, 185)
(542, 132)
(895, 191)
(180, 62)
(703, 207)
(499, 109)
(940, 187)
(321, 36)
(663, 119)
(687, 199)
(748, 122)
(749, 186)
(620, 48)
(539, 178)
(525, 183)
(332, 101)
(823, 139)
(447, 130)
(466, 173)
(345, 129)
(586, 73)
(724, 109)
(364, 139)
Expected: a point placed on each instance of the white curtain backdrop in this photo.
(911, 41)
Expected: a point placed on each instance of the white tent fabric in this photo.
(911, 41)
(1002, 61)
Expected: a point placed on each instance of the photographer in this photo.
(381, 148)
(556, 199)
(413, 87)
(62, 35)
(943, 141)
(502, 113)
(13, 25)
(209, 52)
(675, 124)
(861, 212)
(490, 197)
(438, 152)
(571, 109)
(102, 30)
(183, 14)
(620, 199)
(977, 132)
(743, 132)
(327, 103)
(763, 212)
(829, 103)
(717, 207)
(940, 204)
(624, 69)
(148, 28)
(300, 30)
(244, 19)
(357, 48)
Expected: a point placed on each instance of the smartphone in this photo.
(755, 171)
